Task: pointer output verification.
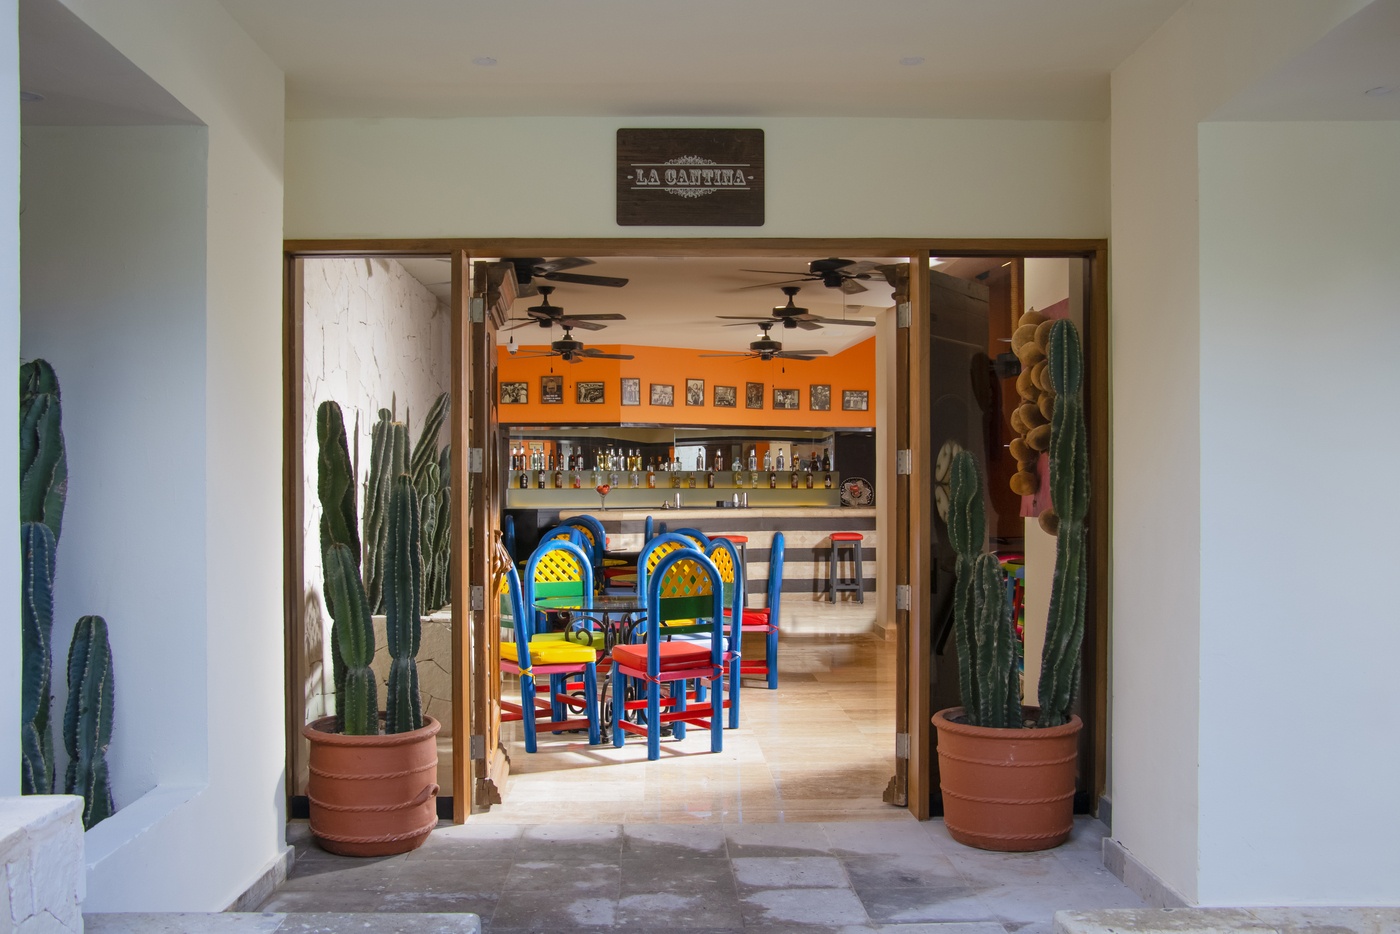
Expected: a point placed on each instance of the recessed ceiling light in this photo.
(1382, 90)
(483, 60)
(30, 97)
(912, 60)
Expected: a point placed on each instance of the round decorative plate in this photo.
(857, 491)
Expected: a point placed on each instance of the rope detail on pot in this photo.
(981, 799)
(418, 801)
(1001, 764)
(1006, 836)
(382, 838)
(350, 777)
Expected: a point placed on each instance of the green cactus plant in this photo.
(425, 452)
(37, 548)
(352, 635)
(1069, 493)
(43, 458)
(983, 629)
(403, 583)
(389, 457)
(87, 721)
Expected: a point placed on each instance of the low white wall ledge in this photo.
(41, 850)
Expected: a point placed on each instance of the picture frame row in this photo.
(592, 392)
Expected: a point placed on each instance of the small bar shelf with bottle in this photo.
(685, 467)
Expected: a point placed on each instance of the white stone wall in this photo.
(374, 338)
(41, 850)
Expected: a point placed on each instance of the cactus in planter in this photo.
(389, 457)
(425, 452)
(403, 583)
(43, 458)
(982, 625)
(87, 721)
(352, 635)
(1069, 492)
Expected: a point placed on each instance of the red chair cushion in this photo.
(757, 618)
(847, 537)
(736, 539)
(675, 656)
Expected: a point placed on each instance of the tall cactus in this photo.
(1069, 492)
(87, 721)
(982, 624)
(352, 635)
(43, 489)
(425, 452)
(389, 457)
(403, 602)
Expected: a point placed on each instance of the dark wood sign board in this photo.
(689, 178)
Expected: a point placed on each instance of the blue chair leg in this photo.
(619, 702)
(590, 698)
(527, 712)
(680, 690)
(717, 717)
(734, 692)
(653, 720)
(773, 660)
(557, 685)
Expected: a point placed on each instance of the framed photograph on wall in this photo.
(785, 398)
(631, 390)
(515, 393)
(753, 395)
(819, 397)
(590, 393)
(726, 397)
(695, 392)
(855, 400)
(663, 394)
(552, 390)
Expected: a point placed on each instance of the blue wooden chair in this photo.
(701, 539)
(766, 619)
(595, 540)
(685, 585)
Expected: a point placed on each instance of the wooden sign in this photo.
(689, 178)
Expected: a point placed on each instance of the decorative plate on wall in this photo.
(857, 491)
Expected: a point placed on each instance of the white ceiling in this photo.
(672, 302)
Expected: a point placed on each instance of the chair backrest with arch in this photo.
(558, 568)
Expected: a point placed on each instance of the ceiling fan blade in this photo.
(573, 358)
(610, 316)
(570, 321)
(803, 353)
(857, 269)
(560, 264)
(852, 287)
(779, 272)
(772, 285)
(851, 321)
(599, 355)
(612, 281)
(724, 355)
(521, 323)
(806, 324)
(534, 353)
(793, 355)
(758, 318)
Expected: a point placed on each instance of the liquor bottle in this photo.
(753, 458)
(558, 475)
(710, 479)
(828, 481)
(826, 459)
(768, 459)
(524, 479)
(809, 479)
(651, 476)
(794, 479)
(692, 479)
(719, 459)
(816, 462)
(514, 458)
(780, 460)
(578, 479)
(635, 480)
(772, 480)
(539, 476)
(738, 475)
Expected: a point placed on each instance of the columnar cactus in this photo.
(87, 721)
(982, 624)
(352, 635)
(43, 458)
(403, 602)
(425, 452)
(1069, 492)
(389, 457)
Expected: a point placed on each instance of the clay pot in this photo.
(372, 795)
(1004, 789)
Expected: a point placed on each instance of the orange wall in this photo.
(850, 369)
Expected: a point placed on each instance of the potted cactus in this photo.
(1007, 772)
(371, 792)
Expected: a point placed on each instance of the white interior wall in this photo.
(552, 177)
(1156, 693)
(9, 429)
(1299, 239)
(113, 266)
(142, 861)
(374, 338)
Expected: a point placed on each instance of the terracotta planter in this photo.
(372, 795)
(1008, 790)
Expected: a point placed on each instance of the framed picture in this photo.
(552, 390)
(785, 398)
(695, 392)
(631, 390)
(753, 395)
(855, 400)
(726, 396)
(819, 398)
(515, 393)
(663, 394)
(590, 393)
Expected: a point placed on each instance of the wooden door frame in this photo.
(913, 552)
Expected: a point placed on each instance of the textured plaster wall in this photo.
(374, 338)
(41, 865)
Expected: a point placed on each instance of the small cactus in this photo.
(1069, 492)
(36, 612)
(87, 721)
(403, 601)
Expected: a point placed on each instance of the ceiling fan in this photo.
(766, 348)
(528, 268)
(573, 350)
(834, 273)
(793, 316)
(547, 315)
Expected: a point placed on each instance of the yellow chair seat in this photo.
(551, 652)
(578, 637)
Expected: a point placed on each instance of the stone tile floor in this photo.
(752, 877)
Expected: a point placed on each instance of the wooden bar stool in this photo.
(853, 541)
(741, 542)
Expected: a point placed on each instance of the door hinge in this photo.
(904, 462)
(903, 314)
(902, 597)
(478, 598)
(901, 745)
(475, 460)
(478, 310)
(478, 750)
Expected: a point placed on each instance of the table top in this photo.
(600, 603)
